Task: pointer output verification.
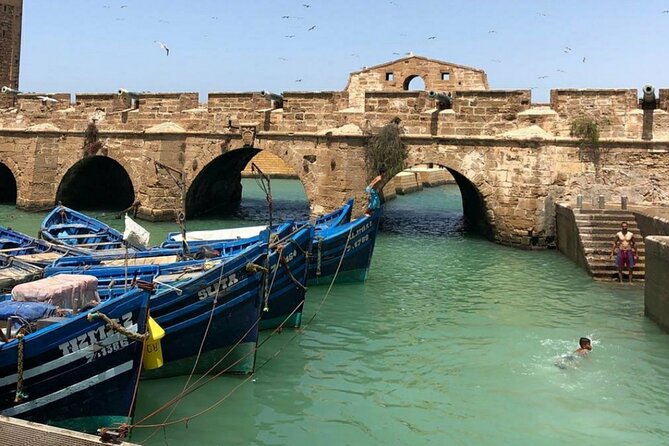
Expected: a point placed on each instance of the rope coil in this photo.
(113, 325)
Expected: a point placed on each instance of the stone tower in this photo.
(11, 12)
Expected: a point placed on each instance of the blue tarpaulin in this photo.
(30, 311)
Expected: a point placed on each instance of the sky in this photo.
(103, 45)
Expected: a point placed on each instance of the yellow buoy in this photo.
(153, 354)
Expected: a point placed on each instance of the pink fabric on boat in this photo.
(66, 290)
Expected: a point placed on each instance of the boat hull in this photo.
(77, 374)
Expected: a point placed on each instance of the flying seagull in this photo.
(431, 37)
(47, 99)
(290, 36)
(542, 77)
(560, 71)
(312, 28)
(298, 80)
(583, 60)
(163, 46)
(666, 11)
(567, 49)
(306, 6)
(492, 31)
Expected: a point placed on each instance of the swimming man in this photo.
(585, 347)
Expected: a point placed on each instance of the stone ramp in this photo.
(597, 228)
(17, 432)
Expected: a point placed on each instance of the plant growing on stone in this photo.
(92, 143)
(386, 149)
(587, 130)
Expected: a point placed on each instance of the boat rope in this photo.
(284, 263)
(318, 309)
(113, 325)
(214, 303)
(206, 378)
(20, 394)
(319, 255)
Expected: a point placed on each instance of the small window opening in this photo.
(445, 75)
(389, 76)
(3, 33)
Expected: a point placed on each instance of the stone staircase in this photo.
(597, 228)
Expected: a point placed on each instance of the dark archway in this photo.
(414, 83)
(217, 188)
(7, 185)
(96, 182)
(473, 206)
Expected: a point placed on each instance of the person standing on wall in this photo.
(373, 198)
(624, 249)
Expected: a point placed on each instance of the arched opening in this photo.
(96, 182)
(434, 199)
(7, 185)
(414, 83)
(227, 186)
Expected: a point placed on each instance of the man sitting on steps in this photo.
(625, 251)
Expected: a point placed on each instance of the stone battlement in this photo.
(473, 112)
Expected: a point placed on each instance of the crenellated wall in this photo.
(513, 159)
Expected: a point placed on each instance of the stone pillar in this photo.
(41, 176)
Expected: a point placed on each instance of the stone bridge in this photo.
(512, 158)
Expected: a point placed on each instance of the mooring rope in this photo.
(199, 384)
(112, 324)
(20, 395)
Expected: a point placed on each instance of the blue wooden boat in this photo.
(199, 238)
(286, 280)
(160, 256)
(31, 250)
(344, 250)
(68, 227)
(76, 373)
(13, 272)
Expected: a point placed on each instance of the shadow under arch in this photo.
(474, 216)
(473, 206)
(7, 185)
(218, 188)
(96, 182)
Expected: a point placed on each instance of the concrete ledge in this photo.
(656, 293)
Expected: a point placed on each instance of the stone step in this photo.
(616, 222)
(605, 231)
(604, 237)
(609, 263)
(602, 212)
(606, 250)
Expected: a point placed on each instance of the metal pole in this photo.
(579, 201)
(623, 202)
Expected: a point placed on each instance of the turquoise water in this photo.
(452, 340)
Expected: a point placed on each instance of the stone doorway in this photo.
(7, 185)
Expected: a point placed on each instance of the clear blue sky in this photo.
(99, 45)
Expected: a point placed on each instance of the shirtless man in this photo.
(585, 346)
(625, 251)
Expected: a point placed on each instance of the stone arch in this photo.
(474, 189)
(412, 79)
(96, 182)
(8, 185)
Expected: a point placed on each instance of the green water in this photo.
(452, 340)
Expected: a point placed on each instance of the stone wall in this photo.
(395, 76)
(656, 289)
(650, 224)
(567, 236)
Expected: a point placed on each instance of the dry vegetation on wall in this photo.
(92, 143)
(587, 130)
(386, 149)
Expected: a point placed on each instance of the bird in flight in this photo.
(431, 37)
(290, 36)
(47, 99)
(560, 71)
(492, 31)
(666, 11)
(396, 54)
(298, 80)
(214, 18)
(163, 46)
(542, 77)
(355, 55)
(567, 49)
(312, 28)
(306, 6)
(124, 6)
(283, 58)
(583, 60)
(496, 60)
(541, 14)
(163, 21)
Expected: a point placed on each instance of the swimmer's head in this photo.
(585, 343)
